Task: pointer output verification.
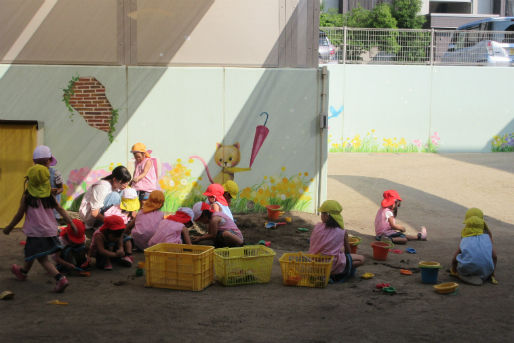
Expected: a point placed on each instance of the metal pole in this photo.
(432, 39)
(345, 32)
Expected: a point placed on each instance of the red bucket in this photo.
(380, 250)
(274, 211)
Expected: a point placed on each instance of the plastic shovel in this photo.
(273, 225)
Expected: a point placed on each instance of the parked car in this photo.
(326, 51)
(489, 41)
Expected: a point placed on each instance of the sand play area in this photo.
(437, 189)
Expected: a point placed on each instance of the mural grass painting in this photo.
(503, 143)
(371, 143)
(182, 189)
(291, 193)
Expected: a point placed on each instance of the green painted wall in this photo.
(420, 108)
(179, 113)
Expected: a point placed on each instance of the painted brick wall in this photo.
(90, 101)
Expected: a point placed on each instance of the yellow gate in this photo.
(17, 142)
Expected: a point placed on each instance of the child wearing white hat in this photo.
(43, 155)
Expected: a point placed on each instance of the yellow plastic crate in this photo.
(305, 270)
(179, 266)
(242, 266)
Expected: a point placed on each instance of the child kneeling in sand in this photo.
(174, 228)
(73, 256)
(330, 238)
(385, 223)
(475, 260)
(107, 243)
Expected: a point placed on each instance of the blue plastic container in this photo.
(429, 271)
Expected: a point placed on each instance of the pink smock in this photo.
(330, 242)
(382, 226)
(145, 227)
(115, 210)
(40, 222)
(149, 182)
(227, 224)
(168, 231)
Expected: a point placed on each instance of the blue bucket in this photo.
(429, 271)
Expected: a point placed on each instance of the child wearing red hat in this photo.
(385, 223)
(223, 232)
(74, 254)
(215, 197)
(107, 243)
(174, 228)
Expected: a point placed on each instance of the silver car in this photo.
(488, 42)
(326, 51)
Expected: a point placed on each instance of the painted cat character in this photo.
(227, 157)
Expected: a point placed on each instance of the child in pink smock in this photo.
(174, 228)
(147, 220)
(330, 238)
(145, 175)
(126, 207)
(40, 226)
(223, 232)
(385, 223)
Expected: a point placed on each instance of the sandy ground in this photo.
(437, 189)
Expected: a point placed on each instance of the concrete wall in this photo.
(420, 108)
(264, 33)
(179, 113)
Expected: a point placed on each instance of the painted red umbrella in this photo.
(261, 132)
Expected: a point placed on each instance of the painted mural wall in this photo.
(257, 127)
(420, 109)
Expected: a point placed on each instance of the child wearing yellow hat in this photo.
(330, 238)
(475, 260)
(145, 175)
(40, 226)
(231, 191)
(147, 220)
(126, 209)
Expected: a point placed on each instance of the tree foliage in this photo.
(331, 19)
(402, 14)
(406, 14)
(380, 17)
